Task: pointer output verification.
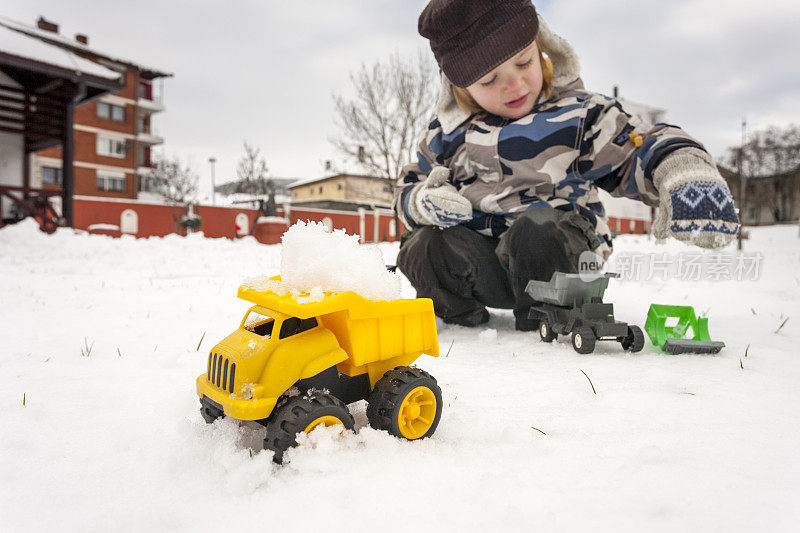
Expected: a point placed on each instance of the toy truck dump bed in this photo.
(371, 333)
(565, 289)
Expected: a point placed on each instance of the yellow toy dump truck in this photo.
(294, 366)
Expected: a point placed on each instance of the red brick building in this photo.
(113, 135)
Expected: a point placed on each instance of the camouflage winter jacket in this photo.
(558, 156)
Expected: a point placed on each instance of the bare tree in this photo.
(251, 172)
(176, 182)
(393, 103)
(771, 151)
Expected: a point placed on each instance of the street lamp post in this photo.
(742, 186)
(213, 160)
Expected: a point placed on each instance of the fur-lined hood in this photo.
(566, 72)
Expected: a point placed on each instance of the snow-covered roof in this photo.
(15, 43)
(240, 199)
(309, 181)
(62, 41)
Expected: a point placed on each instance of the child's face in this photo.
(511, 89)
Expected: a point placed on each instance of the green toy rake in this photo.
(688, 334)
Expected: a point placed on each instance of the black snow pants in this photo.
(464, 272)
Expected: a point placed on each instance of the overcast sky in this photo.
(263, 71)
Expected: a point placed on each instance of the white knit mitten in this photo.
(435, 202)
(696, 204)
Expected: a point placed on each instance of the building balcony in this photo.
(150, 98)
(149, 138)
(150, 106)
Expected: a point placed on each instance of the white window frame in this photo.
(111, 181)
(112, 147)
(111, 111)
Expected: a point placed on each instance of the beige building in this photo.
(767, 199)
(343, 189)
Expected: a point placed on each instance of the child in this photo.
(505, 188)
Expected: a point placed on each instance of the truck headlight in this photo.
(247, 391)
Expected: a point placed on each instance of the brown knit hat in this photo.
(471, 37)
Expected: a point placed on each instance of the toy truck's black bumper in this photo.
(210, 410)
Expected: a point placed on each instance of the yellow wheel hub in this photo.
(327, 420)
(416, 413)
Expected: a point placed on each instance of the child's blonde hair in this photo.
(466, 102)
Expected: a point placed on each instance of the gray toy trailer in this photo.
(573, 304)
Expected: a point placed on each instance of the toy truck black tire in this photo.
(546, 332)
(634, 342)
(583, 340)
(294, 416)
(389, 402)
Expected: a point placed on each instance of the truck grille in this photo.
(221, 372)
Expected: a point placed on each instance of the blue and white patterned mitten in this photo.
(436, 202)
(696, 203)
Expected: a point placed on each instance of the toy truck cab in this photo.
(233, 382)
(292, 366)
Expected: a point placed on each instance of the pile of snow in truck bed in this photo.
(315, 261)
(102, 340)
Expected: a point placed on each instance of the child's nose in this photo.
(514, 83)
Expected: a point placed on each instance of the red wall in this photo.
(623, 225)
(160, 220)
(154, 220)
(220, 221)
(350, 222)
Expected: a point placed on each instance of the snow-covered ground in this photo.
(100, 428)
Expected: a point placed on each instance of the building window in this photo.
(111, 147)
(110, 181)
(51, 176)
(320, 189)
(111, 111)
(143, 128)
(340, 185)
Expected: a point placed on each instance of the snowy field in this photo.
(101, 429)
